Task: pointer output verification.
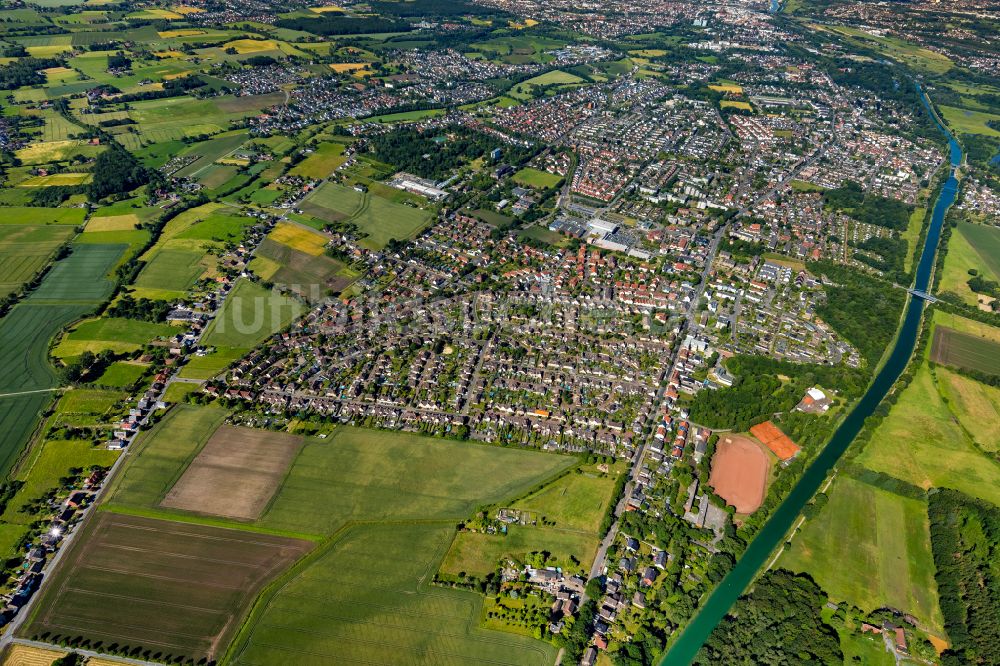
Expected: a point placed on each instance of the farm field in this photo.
(537, 179)
(41, 216)
(975, 405)
(249, 315)
(281, 264)
(235, 474)
(322, 162)
(172, 269)
(962, 350)
(405, 476)
(576, 501)
(871, 548)
(966, 325)
(920, 442)
(162, 454)
(129, 576)
(299, 238)
(25, 250)
(367, 599)
(381, 219)
(971, 247)
(477, 553)
(72, 288)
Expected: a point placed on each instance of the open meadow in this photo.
(250, 315)
(379, 218)
(478, 553)
(576, 501)
(975, 405)
(921, 442)
(871, 548)
(366, 599)
(972, 247)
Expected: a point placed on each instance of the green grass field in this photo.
(478, 554)
(38, 216)
(322, 162)
(173, 269)
(541, 180)
(366, 599)
(208, 366)
(378, 217)
(356, 474)
(25, 250)
(577, 501)
(975, 405)
(249, 315)
(117, 329)
(870, 548)
(398, 476)
(912, 235)
(971, 247)
(966, 121)
(53, 461)
(121, 374)
(921, 443)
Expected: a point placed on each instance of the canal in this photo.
(760, 549)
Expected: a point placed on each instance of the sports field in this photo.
(962, 350)
(235, 474)
(177, 590)
(249, 315)
(870, 548)
(535, 178)
(921, 443)
(366, 600)
(739, 472)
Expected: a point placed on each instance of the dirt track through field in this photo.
(236, 474)
(739, 472)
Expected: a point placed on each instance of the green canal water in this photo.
(760, 549)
